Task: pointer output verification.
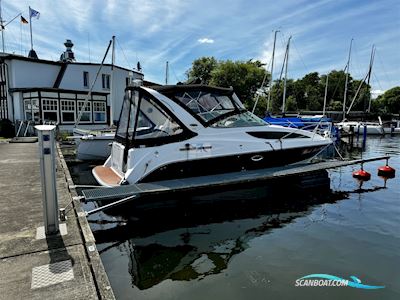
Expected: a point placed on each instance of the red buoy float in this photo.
(386, 172)
(362, 175)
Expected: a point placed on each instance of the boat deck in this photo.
(107, 175)
(213, 181)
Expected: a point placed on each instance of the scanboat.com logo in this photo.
(331, 280)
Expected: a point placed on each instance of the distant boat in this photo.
(373, 128)
(391, 127)
(93, 144)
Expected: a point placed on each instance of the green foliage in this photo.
(291, 104)
(389, 101)
(202, 68)
(306, 93)
(244, 76)
(336, 105)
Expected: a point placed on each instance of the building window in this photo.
(105, 81)
(67, 111)
(31, 110)
(99, 112)
(85, 79)
(50, 110)
(86, 116)
(127, 81)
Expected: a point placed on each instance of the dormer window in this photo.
(105, 81)
(85, 79)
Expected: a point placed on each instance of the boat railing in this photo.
(324, 128)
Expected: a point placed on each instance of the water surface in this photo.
(254, 242)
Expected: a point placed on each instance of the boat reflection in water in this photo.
(198, 235)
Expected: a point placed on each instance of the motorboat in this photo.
(181, 131)
(373, 128)
(93, 144)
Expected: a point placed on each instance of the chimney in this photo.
(68, 55)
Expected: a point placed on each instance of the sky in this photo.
(180, 31)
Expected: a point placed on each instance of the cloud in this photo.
(206, 41)
(376, 93)
(157, 31)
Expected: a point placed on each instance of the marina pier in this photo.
(32, 265)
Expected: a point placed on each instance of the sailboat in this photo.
(371, 128)
(322, 124)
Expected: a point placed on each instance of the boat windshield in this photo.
(219, 110)
(207, 105)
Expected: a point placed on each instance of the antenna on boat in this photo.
(347, 80)
(284, 82)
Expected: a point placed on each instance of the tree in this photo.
(277, 95)
(336, 86)
(313, 97)
(202, 69)
(391, 100)
(245, 78)
(291, 104)
(362, 100)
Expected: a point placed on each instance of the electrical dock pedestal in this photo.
(48, 177)
(40, 256)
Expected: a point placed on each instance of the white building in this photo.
(42, 90)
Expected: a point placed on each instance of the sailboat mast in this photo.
(284, 83)
(111, 81)
(78, 119)
(371, 62)
(166, 72)
(326, 94)
(347, 81)
(272, 71)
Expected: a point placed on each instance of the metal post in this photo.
(351, 136)
(46, 135)
(347, 81)
(272, 71)
(365, 136)
(284, 82)
(358, 132)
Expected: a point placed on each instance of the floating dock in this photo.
(131, 192)
(33, 265)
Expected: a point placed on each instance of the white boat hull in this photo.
(392, 131)
(371, 129)
(94, 148)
